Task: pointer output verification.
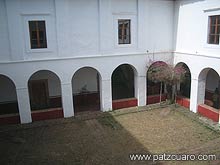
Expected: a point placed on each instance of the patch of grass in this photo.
(110, 138)
(195, 118)
(110, 122)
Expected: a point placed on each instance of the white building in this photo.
(69, 53)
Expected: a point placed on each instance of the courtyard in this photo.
(109, 138)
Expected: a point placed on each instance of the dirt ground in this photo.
(109, 138)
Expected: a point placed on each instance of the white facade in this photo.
(191, 44)
(83, 33)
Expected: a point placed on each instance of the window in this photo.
(124, 32)
(37, 30)
(214, 29)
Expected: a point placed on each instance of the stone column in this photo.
(197, 94)
(67, 99)
(140, 90)
(219, 117)
(106, 95)
(193, 95)
(24, 105)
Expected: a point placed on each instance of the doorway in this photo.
(39, 95)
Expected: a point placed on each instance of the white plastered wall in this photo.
(190, 45)
(72, 45)
(198, 75)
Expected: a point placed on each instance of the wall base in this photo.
(152, 99)
(124, 103)
(9, 119)
(208, 112)
(53, 113)
(183, 101)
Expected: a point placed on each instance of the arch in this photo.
(212, 80)
(86, 89)
(157, 63)
(131, 65)
(44, 71)
(45, 93)
(184, 65)
(123, 82)
(86, 66)
(209, 82)
(203, 73)
(185, 86)
(154, 88)
(8, 96)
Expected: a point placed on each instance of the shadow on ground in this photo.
(107, 138)
(101, 140)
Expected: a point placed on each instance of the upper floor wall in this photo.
(4, 36)
(192, 27)
(79, 28)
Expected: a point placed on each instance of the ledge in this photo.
(124, 103)
(9, 119)
(208, 112)
(183, 101)
(141, 53)
(52, 113)
(152, 99)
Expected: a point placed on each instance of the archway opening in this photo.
(123, 87)
(208, 94)
(9, 112)
(45, 95)
(155, 88)
(86, 90)
(8, 97)
(184, 87)
(212, 89)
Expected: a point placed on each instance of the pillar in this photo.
(106, 95)
(67, 99)
(140, 90)
(193, 95)
(197, 94)
(24, 105)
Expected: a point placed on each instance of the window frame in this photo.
(133, 30)
(50, 34)
(123, 29)
(38, 38)
(216, 25)
(207, 13)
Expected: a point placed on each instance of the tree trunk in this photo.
(173, 97)
(175, 94)
(169, 92)
(160, 92)
(165, 88)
